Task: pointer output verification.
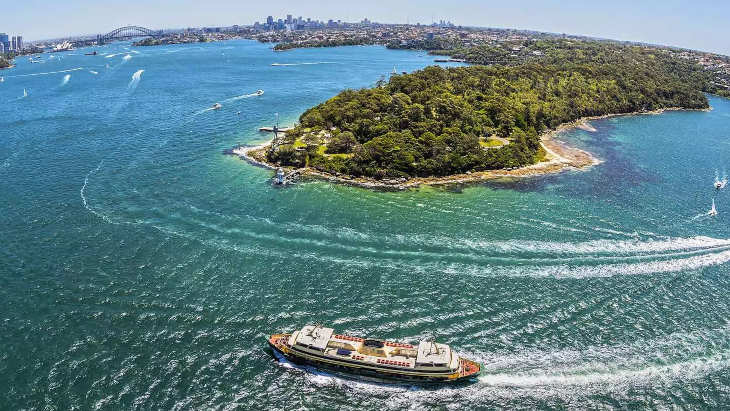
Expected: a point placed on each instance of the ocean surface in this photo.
(141, 268)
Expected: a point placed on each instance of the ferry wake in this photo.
(373, 359)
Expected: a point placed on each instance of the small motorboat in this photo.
(2, 79)
(216, 106)
(260, 93)
(239, 112)
(718, 185)
(713, 210)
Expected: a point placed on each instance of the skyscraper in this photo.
(2, 47)
(19, 43)
(288, 19)
(5, 40)
(270, 21)
(14, 44)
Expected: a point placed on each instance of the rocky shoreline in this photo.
(559, 157)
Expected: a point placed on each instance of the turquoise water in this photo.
(140, 268)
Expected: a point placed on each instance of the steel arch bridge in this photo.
(127, 32)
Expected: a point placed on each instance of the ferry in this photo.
(373, 359)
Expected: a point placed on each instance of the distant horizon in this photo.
(669, 23)
(72, 36)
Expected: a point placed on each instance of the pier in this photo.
(275, 129)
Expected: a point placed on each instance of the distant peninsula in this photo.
(438, 123)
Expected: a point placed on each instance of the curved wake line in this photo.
(136, 77)
(419, 266)
(45, 74)
(83, 197)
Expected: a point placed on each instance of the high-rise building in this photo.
(5, 40)
(288, 19)
(2, 47)
(20, 43)
(270, 21)
(14, 44)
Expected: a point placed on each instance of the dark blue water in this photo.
(140, 268)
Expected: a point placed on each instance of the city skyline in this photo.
(673, 23)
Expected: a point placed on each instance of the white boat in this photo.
(373, 359)
(216, 106)
(25, 93)
(259, 92)
(718, 185)
(394, 70)
(2, 79)
(713, 210)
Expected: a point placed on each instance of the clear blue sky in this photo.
(699, 24)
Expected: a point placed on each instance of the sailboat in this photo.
(25, 93)
(713, 210)
(394, 70)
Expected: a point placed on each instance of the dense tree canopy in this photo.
(430, 123)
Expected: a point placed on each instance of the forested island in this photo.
(441, 122)
(355, 41)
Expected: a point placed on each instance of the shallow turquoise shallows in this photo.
(141, 268)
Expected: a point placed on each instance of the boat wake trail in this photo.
(127, 57)
(83, 196)
(427, 256)
(93, 72)
(197, 113)
(568, 375)
(720, 183)
(303, 64)
(136, 77)
(245, 96)
(65, 80)
(46, 73)
(110, 56)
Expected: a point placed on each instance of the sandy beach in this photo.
(559, 157)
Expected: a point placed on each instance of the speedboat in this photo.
(718, 185)
(2, 79)
(216, 106)
(259, 92)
